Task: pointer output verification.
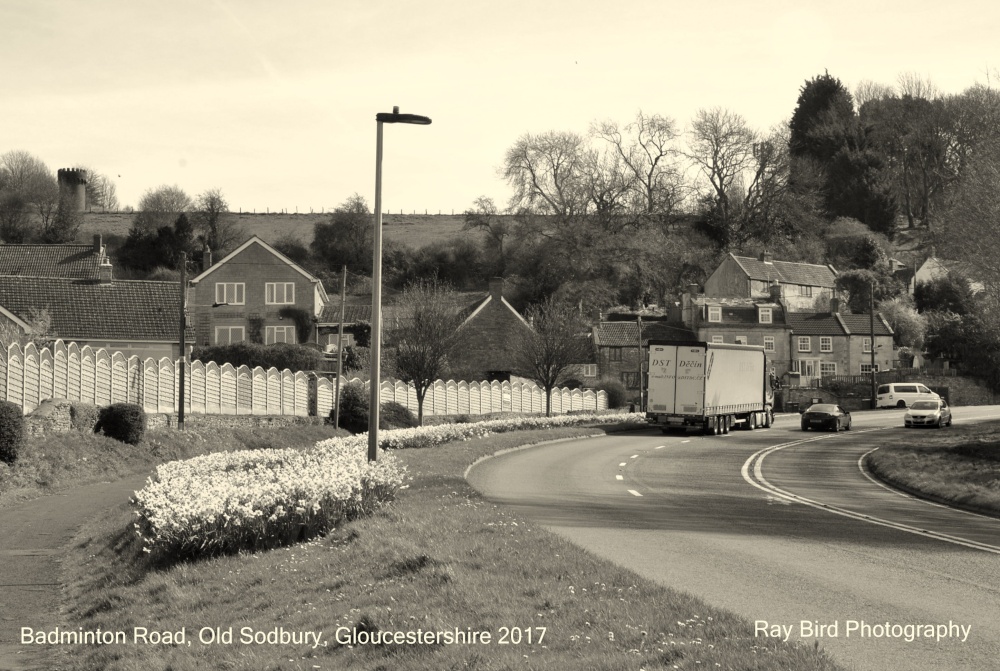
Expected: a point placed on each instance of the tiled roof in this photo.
(352, 314)
(742, 311)
(825, 323)
(70, 261)
(87, 310)
(786, 272)
(626, 334)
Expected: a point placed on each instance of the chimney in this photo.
(765, 256)
(496, 288)
(834, 306)
(693, 289)
(104, 271)
(98, 247)
(775, 290)
(206, 258)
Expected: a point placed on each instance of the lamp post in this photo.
(376, 344)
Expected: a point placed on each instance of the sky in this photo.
(274, 103)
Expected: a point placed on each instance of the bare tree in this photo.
(913, 85)
(427, 335)
(556, 344)
(160, 207)
(548, 175)
(496, 225)
(217, 228)
(868, 91)
(101, 191)
(649, 156)
(30, 179)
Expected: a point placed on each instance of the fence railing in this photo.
(884, 377)
(31, 375)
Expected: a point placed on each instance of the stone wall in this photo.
(956, 390)
(161, 420)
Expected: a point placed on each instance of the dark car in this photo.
(826, 416)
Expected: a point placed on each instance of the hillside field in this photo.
(412, 230)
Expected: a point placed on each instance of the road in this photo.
(777, 535)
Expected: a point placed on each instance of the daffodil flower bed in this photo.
(260, 499)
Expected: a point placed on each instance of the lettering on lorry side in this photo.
(661, 362)
(689, 364)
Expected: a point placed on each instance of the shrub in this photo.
(279, 355)
(11, 431)
(83, 416)
(396, 416)
(122, 421)
(615, 391)
(354, 412)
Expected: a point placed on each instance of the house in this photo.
(830, 343)
(617, 346)
(490, 327)
(586, 371)
(803, 286)
(75, 262)
(934, 268)
(135, 317)
(258, 294)
(329, 323)
(740, 321)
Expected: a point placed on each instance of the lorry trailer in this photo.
(708, 386)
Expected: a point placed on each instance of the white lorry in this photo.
(710, 386)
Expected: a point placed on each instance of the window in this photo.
(279, 293)
(273, 334)
(795, 366)
(768, 343)
(765, 315)
(715, 313)
(866, 345)
(630, 380)
(805, 344)
(718, 339)
(590, 370)
(614, 354)
(805, 290)
(232, 293)
(741, 340)
(227, 335)
(827, 368)
(825, 344)
(866, 368)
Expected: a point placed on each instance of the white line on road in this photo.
(685, 441)
(619, 477)
(659, 447)
(634, 493)
(634, 456)
(624, 463)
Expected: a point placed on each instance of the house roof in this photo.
(825, 323)
(626, 334)
(255, 240)
(139, 310)
(70, 261)
(742, 311)
(352, 314)
(470, 311)
(787, 272)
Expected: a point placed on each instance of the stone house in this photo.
(802, 286)
(250, 294)
(490, 329)
(617, 346)
(830, 343)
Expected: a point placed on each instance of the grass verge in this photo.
(47, 464)
(959, 466)
(440, 559)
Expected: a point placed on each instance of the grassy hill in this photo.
(413, 230)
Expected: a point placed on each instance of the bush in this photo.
(354, 412)
(615, 391)
(122, 421)
(279, 355)
(83, 416)
(11, 431)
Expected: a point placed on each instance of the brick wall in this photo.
(487, 341)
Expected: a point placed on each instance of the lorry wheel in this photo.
(726, 423)
(752, 421)
(768, 419)
(711, 426)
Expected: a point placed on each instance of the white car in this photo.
(903, 394)
(934, 413)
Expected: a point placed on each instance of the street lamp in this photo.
(376, 344)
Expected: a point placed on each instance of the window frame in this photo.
(827, 364)
(741, 340)
(769, 340)
(769, 312)
(716, 311)
(868, 372)
(229, 331)
(615, 354)
(271, 331)
(718, 340)
(590, 370)
(239, 292)
(805, 290)
(807, 341)
(826, 343)
(271, 293)
(866, 345)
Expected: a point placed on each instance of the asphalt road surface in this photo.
(788, 533)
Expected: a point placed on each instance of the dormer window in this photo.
(765, 315)
(714, 313)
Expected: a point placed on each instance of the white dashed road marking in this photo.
(619, 477)
(634, 493)
(634, 456)
(624, 463)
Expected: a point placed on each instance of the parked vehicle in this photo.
(826, 416)
(709, 386)
(934, 413)
(902, 394)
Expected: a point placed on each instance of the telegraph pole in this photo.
(871, 328)
(183, 366)
(340, 347)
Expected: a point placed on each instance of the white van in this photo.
(902, 394)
